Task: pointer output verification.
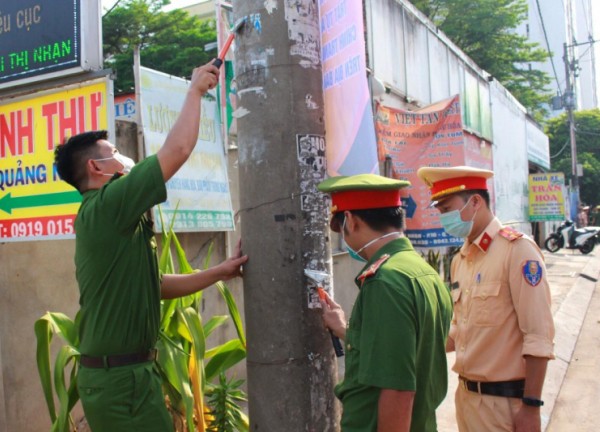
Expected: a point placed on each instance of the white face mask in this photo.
(356, 254)
(127, 163)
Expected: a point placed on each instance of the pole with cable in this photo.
(291, 364)
(570, 105)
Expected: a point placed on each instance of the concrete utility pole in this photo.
(284, 220)
(569, 104)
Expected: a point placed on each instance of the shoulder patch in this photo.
(532, 272)
(510, 234)
(372, 269)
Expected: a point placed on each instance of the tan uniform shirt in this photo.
(501, 306)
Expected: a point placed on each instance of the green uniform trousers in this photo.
(123, 399)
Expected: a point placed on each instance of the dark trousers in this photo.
(123, 399)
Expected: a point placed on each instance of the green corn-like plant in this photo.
(184, 363)
(53, 381)
(227, 416)
(433, 259)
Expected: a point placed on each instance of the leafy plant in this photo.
(441, 262)
(66, 364)
(433, 259)
(587, 125)
(447, 262)
(182, 343)
(172, 42)
(184, 363)
(226, 414)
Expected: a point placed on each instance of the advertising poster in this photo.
(34, 203)
(432, 136)
(198, 195)
(351, 143)
(546, 197)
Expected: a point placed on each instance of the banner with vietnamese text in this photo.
(35, 204)
(546, 197)
(351, 144)
(198, 195)
(432, 136)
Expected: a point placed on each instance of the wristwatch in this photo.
(532, 402)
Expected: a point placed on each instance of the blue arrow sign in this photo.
(410, 206)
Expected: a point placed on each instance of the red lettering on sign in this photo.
(25, 131)
(95, 105)
(546, 198)
(49, 111)
(72, 116)
(67, 121)
(548, 188)
(7, 135)
(14, 131)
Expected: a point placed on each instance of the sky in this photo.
(107, 4)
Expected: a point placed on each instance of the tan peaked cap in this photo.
(444, 181)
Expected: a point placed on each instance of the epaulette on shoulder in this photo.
(510, 234)
(372, 269)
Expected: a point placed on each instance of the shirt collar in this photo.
(485, 239)
(401, 244)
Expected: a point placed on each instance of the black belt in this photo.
(117, 360)
(511, 389)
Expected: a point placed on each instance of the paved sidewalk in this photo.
(572, 278)
(578, 402)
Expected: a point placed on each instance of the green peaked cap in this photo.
(361, 182)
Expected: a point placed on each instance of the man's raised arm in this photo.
(183, 136)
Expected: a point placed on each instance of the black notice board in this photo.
(38, 37)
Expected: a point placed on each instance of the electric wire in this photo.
(112, 8)
(588, 16)
(560, 151)
(584, 132)
(539, 8)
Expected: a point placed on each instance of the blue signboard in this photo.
(432, 238)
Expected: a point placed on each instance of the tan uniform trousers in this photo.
(478, 413)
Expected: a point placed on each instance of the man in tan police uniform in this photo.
(502, 329)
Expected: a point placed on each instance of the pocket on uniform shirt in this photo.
(456, 293)
(487, 305)
(352, 340)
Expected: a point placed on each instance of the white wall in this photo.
(511, 166)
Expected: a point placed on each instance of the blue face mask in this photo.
(454, 225)
(355, 254)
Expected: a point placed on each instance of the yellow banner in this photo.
(34, 203)
(546, 198)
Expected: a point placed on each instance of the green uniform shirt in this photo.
(396, 339)
(116, 263)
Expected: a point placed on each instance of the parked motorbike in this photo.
(568, 237)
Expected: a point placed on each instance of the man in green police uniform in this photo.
(396, 373)
(117, 268)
